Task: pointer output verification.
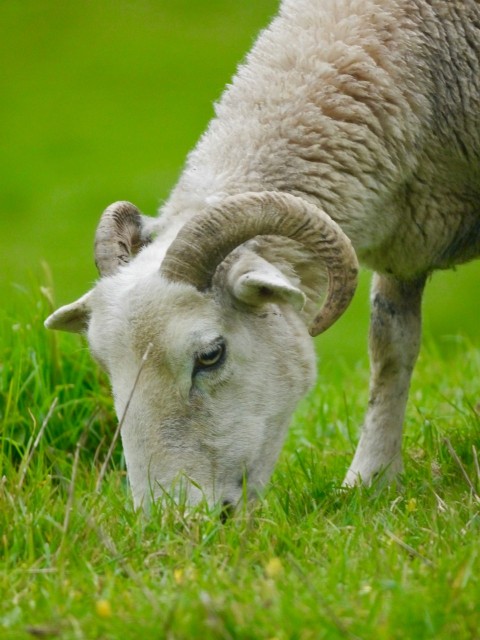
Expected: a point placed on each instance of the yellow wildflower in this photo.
(274, 568)
(103, 608)
(412, 505)
(178, 576)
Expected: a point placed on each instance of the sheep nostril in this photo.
(226, 511)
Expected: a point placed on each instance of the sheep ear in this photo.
(254, 281)
(72, 317)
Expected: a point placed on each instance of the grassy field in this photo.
(100, 102)
(308, 561)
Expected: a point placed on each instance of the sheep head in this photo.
(228, 350)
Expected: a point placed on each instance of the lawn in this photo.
(100, 102)
(308, 561)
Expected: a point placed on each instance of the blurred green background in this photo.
(101, 101)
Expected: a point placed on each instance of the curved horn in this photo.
(120, 234)
(204, 242)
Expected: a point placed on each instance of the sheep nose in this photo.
(227, 510)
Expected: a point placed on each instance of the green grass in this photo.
(307, 561)
(102, 101)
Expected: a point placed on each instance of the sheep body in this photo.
(371, 110)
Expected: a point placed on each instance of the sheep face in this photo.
(216, 390)
(205, 337)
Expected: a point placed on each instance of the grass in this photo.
(102, 101)
(307, 561)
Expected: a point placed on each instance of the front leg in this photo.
(394, 343)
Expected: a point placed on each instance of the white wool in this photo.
(367, 109)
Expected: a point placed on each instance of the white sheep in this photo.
(350, 121)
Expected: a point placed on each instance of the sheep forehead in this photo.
(173, 318)
(182, 318)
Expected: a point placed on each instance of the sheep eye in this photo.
(210, 359)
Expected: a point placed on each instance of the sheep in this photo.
(351, 130)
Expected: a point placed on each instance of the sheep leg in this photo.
(394, 343)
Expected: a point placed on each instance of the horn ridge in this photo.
(118, 236)
(206, 240)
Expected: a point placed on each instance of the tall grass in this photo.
(309, 560)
